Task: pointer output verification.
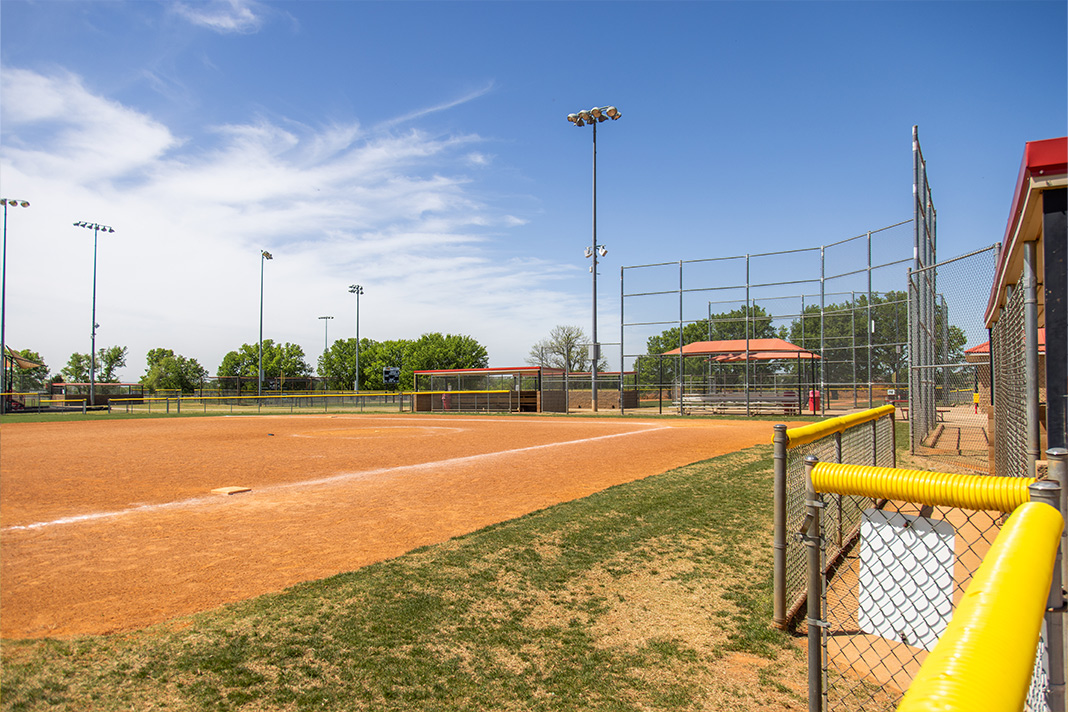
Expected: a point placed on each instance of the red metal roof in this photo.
(1044, 162)
(984, 348)
(735, 350)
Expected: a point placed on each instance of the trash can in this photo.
(813, 401)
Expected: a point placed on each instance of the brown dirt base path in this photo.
(111, 526)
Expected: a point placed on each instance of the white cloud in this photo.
(335, 205)
(54, 125)
(224, 16)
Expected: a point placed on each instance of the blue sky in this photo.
(422, 150)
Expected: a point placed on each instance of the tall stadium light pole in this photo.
(357, 290)
(264, 255)
(326, 333)
(3, 300)
(593, 117)
(92, 352)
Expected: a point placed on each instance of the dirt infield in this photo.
(110, 526)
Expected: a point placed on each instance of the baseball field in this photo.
(115, 526)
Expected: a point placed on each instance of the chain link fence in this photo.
(887, 597)
(1010, 384)
(865, 437)
(844, 301)
(949, 400)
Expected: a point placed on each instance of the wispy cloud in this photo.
(224, 16)
(419, 113)
(335, 204)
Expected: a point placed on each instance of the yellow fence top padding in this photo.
(937, 489)
(810, 433)
(984, 659)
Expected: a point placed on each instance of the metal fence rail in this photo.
(883, 602)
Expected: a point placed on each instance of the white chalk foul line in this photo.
(400, 469)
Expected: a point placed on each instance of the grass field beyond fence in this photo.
(650, 595)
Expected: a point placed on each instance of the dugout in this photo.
(1028, 410)
(526, 389)
(750, 375)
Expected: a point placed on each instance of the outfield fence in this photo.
(956, 573)
(466, 401)
(274, 403)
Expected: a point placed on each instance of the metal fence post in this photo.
(838, 497)
(1057, 464)
(893, 440)
(812, 537)
(875, 442)
(779, 545)
(1049, 492)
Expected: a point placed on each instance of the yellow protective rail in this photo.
(937, 489)
(811, 433)
(984, 659)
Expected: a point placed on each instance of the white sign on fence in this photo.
(906, 577)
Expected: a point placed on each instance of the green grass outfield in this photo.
(651, 595)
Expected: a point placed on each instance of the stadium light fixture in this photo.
(3, 293)
(92, 350)
(593, 117)
(357, 290)
(264, 256)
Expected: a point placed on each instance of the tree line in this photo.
(336, 369)
(839, 330)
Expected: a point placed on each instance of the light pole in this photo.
(593, 117)
(264, 255)
(326, 339)
(3, 296)
(357, 290)
(92, 353)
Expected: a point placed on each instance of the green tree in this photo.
(167, 370)
(430, 351)
(280, 361)
(30, 379)
(109, 361)
(77, 368)
(338, 364)
(379, 355)
(438, 351)
(566, 348)
(839, 333)
(844, 338)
